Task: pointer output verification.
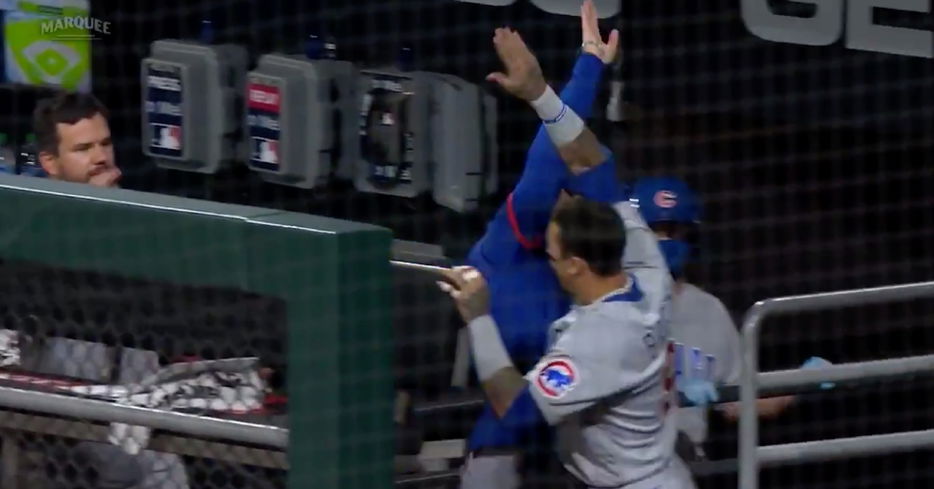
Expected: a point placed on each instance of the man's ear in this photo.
(578, 265)
(49, 163)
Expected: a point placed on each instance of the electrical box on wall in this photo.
(464, 148)
(395, 146)
(423, 131)
(191, 116)
(300, 119)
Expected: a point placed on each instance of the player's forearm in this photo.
(583, 153)
(767, 408)
(503, 388)
(581, 90)
(577, 146)
(545, 173)
(501, 382)
(579, 95)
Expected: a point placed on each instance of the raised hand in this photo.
(523, 75)
(591, 40)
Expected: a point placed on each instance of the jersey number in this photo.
(668, 384)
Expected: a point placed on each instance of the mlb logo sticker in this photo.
(666, 199)
(556, 378)
(266, 150)
(167, 136)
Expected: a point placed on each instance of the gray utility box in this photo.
(422, 131)
(300, 119)
(395, 148)
(190, 95)
(464, 148)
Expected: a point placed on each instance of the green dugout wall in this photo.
(334, 277)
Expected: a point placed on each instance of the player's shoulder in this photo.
(695, 293)
(701, 300)
(617, 314)
(600, 337)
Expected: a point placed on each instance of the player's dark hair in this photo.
(593, 232)
(63, 108)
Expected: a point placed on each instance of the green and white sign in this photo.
(50, 43)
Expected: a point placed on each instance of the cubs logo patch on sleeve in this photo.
(556, 377)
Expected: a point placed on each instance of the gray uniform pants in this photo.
(490, 472)
(501, 472)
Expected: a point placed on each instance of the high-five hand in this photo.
(592, 41)
(523, 75)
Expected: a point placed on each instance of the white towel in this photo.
(9, 348)
(220, 385)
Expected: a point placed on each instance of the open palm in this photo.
(592, 41)
(523, 75)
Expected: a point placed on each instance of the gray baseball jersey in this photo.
(607, 380)
(706, 346)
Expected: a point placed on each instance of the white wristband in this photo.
(489, 353)
(549, 105)
(561, 122)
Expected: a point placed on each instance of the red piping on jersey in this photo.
(529, 244)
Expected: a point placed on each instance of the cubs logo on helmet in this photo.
(556, 378)
(666, 199)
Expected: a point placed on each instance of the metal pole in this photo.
(893, 367)
(189, 424)
(852, 297)
(418, 266)
(748, 393)
(858, 446)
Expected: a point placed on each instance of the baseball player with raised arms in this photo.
(526, 294)
(706, 340)
(606, 381)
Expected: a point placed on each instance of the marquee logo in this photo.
(75, 27)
